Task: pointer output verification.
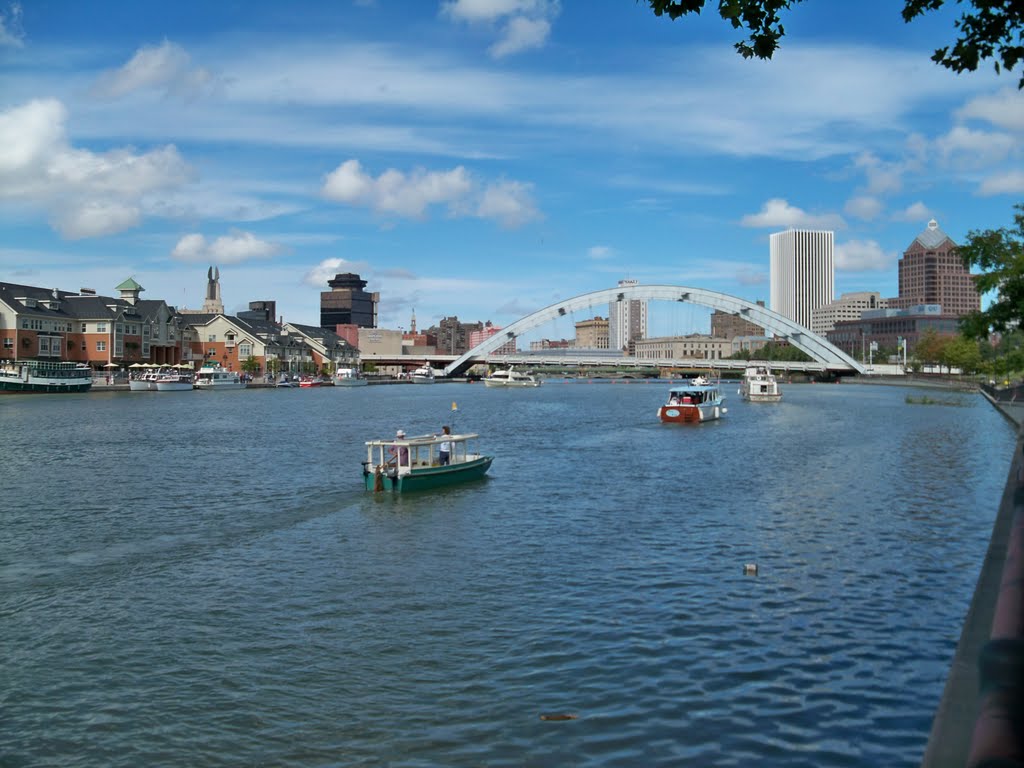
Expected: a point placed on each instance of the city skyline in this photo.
(482, 160)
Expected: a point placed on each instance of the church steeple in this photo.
(413, 324)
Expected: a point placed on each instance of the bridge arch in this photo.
(802, 338)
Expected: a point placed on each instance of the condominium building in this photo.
(627, 319)
(849, 306)
(802, 273)
(931, 272)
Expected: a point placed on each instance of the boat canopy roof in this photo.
(685, 388)
(423, 440)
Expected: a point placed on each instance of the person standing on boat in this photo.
(399, 453)
(445, 450)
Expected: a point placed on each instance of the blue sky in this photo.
(479, 158)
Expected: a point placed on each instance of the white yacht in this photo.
(424, 375)
(759, 385)
(215, 377)
(511, 378)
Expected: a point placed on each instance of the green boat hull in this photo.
(427, 478)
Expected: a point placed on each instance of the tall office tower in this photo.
(627, 320)
(930, 272)
(347, 303)
(802, 273)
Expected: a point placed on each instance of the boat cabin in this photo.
(691, 395)
(402, 455)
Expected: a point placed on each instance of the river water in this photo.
(198, 579)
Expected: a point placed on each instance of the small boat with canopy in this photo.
(405, 464)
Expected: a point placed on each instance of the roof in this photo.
(129, 285)
(932, 237)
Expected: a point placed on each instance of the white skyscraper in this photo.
(627, 319)
(802, 273)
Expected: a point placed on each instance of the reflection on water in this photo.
(200, 579)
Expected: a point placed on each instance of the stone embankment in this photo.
(980, 719)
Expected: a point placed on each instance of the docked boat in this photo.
(759, 385)
(424, 375)
(175, 382)
(143, 381)
(511, 378)
(414, 463)
(699, 400)
(285, 383)
(44, 376)
(212, 377)
(309, 381)
(349, 377)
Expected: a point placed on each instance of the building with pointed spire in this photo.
(213, 304)
(931, 272)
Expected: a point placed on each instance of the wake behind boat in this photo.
(700, 400)
(414, 463)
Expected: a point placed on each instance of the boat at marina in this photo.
(144, 379)
(285, 383)
(511, 378)
(759, 385)
(44, 376)
(699, 400)
(407, 464)
(424, 375)
(181, 381)
(309, 381)
(349, 377)
(213, 376)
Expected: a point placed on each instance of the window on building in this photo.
(8, 343)
(101, 346)
(84, 347)
(212, 337)
(244, 351)
(83, 327)
(101, 327)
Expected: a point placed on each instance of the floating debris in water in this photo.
(558, 716)
(750, 569)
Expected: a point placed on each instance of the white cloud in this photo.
(600, 252)
(318, 276)
(915, 212)
(394, 192)
(882, 177)
(748, 276)
(964, 146)
(1007, 183)
(780, 214)
(233, 248)
(521, 34)
(520, 24)
(166, 67)
(864, 207)
(11, 33)
(1004, 109)
(863, 256)
(97, 218)
(86, 193)
(508, 202)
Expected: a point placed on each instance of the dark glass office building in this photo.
(347, 303)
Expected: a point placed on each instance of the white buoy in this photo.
(750, 569)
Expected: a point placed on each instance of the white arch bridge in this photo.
(828, 355)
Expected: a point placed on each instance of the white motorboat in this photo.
(215, 377)
(759, 385)
(424, 375)
(175, 382)
(700, 400)
(511, 378)
(349, 377)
